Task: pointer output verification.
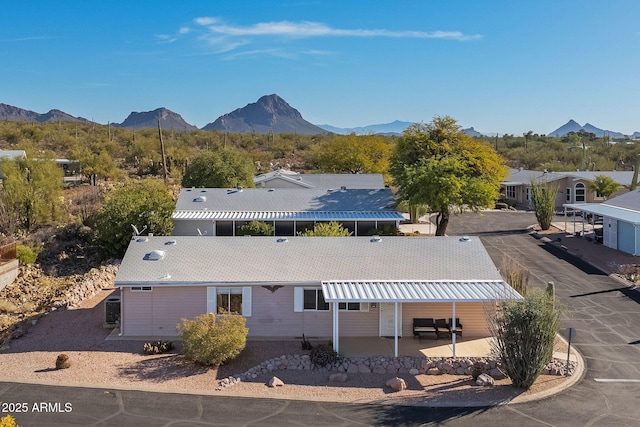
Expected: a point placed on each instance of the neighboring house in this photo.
(221, 212)
(620, 220)
(572, 186)
(286, 287)
(8, 264)
(283, 178)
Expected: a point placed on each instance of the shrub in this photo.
(631, 272)
(63, 362)
(211, 340)
(503, 206)
(157, 347)
(323, 355)
(515, 274)
(543, 197)
(26, 254)
(306, 344)
(256, 228)
(8, 421)
(524, 332)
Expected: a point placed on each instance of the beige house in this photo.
(322, 287)
(572, 186)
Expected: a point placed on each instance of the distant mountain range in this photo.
(9, 112)
(270, 113)
(573, 126)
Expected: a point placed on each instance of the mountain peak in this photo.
(269, 114)
(149, 119)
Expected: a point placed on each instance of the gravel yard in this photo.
(121, 364)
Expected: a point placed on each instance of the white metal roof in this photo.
(418, 291)
(289, 216)
(620, 214)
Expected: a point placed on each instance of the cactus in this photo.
(63, 362)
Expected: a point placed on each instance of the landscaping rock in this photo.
(275, 382)
(485, 380)
(397, 384)
(340, 377)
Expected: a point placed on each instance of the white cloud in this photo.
(317, 29)
(224, 38)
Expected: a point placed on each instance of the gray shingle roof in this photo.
(209, 260)
(630, 200)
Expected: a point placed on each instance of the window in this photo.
(141, 289)
(511, 192)
(353, 306)
(314, 300)
(229, 300)
(580, 192)
(568, 195)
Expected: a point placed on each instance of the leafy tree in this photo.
(524, 332)
(543, 197)
(603, 186)
(256, 228)
(32, 191)
(326, 229)
(227, 168)
(352, 154)
(212, 340)
(98, 166)
(147, 203)
(437, 165)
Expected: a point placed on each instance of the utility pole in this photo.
(164, 159)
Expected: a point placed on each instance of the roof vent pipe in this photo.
(375, 239)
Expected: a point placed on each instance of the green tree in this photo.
(98, 166)
(32, 190)
(543, 197)
(227, 168)
(256, 228)
(326, 229)
(437, 165)
(524, 332)
(603, 186)
(212, 340)
(352, 154)
(142, 204)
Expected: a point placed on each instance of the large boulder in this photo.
(485, 380)
(275, 382)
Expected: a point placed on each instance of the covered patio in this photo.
(401, 292)
(409, 346)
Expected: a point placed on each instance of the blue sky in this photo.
(499, 66)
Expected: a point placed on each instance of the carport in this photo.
(395, 292)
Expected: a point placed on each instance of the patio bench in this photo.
(424, 325)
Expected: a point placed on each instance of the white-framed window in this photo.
(232, 300)
(141, 289)
(510, 192)
(568, 197)
(353, 306)
(580, 192)
(312, 299)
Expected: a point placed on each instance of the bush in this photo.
(323, 355)
(524, 332)
(26, 254)
(212, 340)
(256, 228)
(306, 344)
(515, 274)
(631, 272)
(503, 206)
(157, 347)
(8, 421)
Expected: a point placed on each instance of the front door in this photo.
(387, 318)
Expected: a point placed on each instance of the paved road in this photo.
(605, 314)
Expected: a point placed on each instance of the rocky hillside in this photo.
(9, 112)
(269, 114)
(149, 119)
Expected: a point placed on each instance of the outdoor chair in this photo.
(443, 328)
(458, 326)
(424, 325)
